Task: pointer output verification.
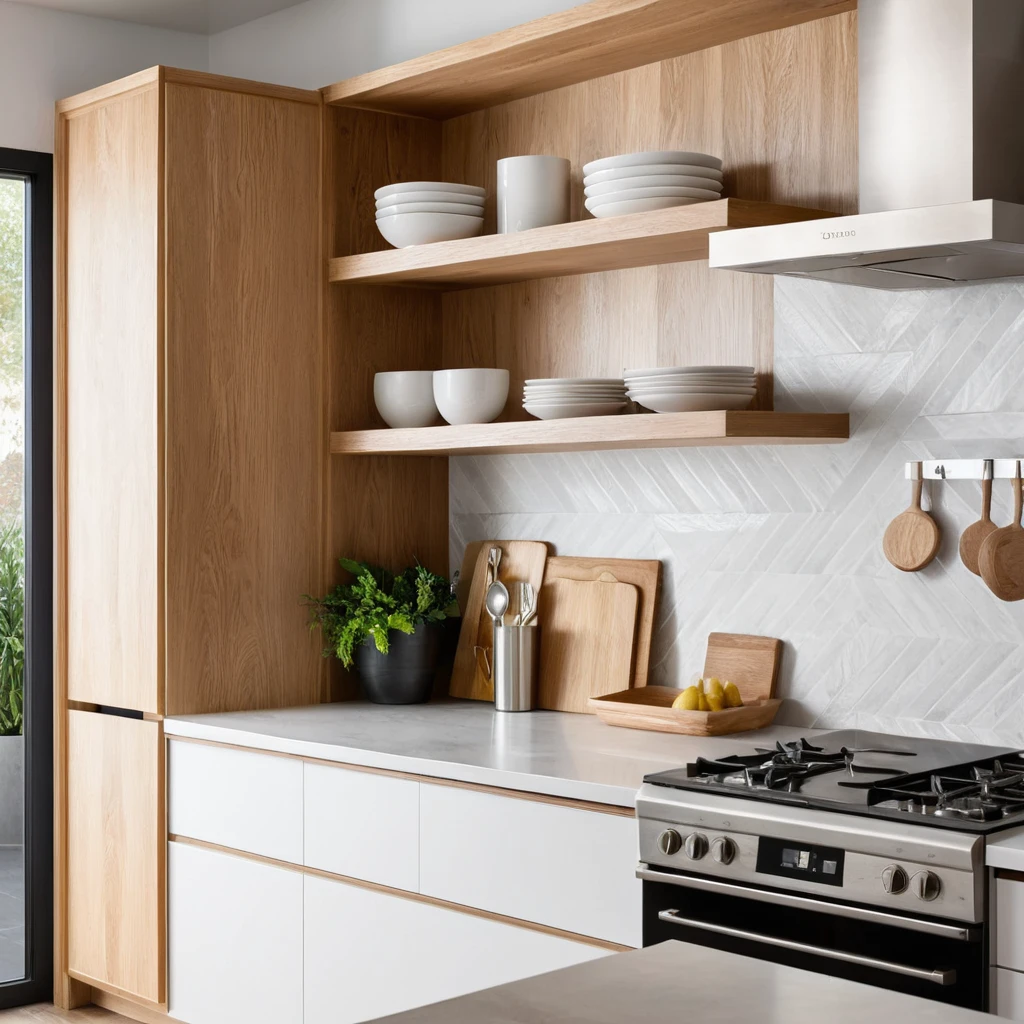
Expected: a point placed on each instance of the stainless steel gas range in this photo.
(858, 855)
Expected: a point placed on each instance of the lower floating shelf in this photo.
(600, 433)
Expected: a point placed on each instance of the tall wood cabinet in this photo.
(191, 464)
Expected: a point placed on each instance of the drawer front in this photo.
(234, 798)
(561, 866)
(1007, 994)
(1009, 938)
(362, 825)
(369, 954)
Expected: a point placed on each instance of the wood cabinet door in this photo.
(108, 401)
(116, 843)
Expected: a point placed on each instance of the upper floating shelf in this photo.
(580, 247)
(589, 41)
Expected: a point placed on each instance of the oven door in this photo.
(937, 959)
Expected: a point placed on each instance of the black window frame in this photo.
(36, 169)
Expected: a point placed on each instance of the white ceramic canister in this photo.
(533, 192)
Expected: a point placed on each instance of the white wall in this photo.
(324, 41)
(46, 55)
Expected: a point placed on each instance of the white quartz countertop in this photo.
(676, 981)
(1006, 850)
(559, 754)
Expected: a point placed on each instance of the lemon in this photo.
(688, 700)
(731, 695)
(715, 702)
(704, 705)
(713, 685)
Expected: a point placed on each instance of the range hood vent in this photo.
(941, 156)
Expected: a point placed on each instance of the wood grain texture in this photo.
(600, 433)
(912, 539)
(45, 1013)
(129, 1009)
(116, 849)
(581, 247)
(1001, 559)
(644, 574)
(651, 708)
(974, 536)
(588, 641)
(111, 435)
(751, 662)
(585, 42)
(244, 401)
(520, 560)
(121, 87)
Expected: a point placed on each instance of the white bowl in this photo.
(662, 182)
(548, 394)
(574, 380)
(474, 395)
(668, 402)
(405, 398)
(468, 209)
(639, 205)
(664, 192)
(707, 383)
(573, 399)
(403, 198)
(617, 173)
(663, 156)
(405, 229)
(565, 410)
(678, 389)
(429, 186)
(661, 371)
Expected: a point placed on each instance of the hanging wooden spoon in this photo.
(1001, 558)
(912, 539)
(974, 536)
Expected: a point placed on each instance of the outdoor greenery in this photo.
(377, 601)
(12, 628)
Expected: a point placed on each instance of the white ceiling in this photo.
(203, 16)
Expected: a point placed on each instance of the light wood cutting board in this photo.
(520, 560)
(644, 574)
(586, 647)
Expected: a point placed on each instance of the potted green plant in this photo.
(389, 626)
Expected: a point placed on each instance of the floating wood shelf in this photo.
(600, 433)
(588, 41)
(675, 235)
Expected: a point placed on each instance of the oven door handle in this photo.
(939, 977)
(946, 931)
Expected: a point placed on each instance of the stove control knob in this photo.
(723, 850)
(696, 845)
(894, 880)
(926, 885)
(670, 841)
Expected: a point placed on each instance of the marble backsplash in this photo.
(786, 541)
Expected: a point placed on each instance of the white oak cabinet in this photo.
(369, 954)
(1007, 954)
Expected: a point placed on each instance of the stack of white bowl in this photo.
(636, 182)
(556, 398)
(692, 388)
(419, 212)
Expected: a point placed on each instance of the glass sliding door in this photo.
(26, 587)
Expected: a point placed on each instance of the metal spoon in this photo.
(530, 605)
(496, 602)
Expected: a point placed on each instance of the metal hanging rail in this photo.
(964, 469)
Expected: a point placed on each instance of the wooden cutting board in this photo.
(644, 574)
(520, 560)
(751, 662)
(586, 647)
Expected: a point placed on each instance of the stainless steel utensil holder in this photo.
(516, 657)
(962, 469)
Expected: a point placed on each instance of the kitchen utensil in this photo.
(493, 564)
(405, 398)
(520, 560)
(974, 536)
(644, 574)
(589, 638)
(751, 662)
(1001, 558)
(533, 191)
(529, 605)
(496, 602)
(428, 186)
(405, 229)
(514, 670)
(476, 395)
(670, 156)
(912, 539)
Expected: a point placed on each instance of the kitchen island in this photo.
(679, 981)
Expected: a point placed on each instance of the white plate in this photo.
(694, 378)
(616, 381)
(405, 229)
(685, 389)
(400, 211)
(574, 399)
(640, 205)
(665, 156)
(563, 410)
(616, 173)
(429, 186)
(665, 192)
(661, 371)
(658, 181)
(692, 403)
(401, 198)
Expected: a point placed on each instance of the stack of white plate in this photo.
(635, 182)
(418, 212)
(692, 388)
(557, 398)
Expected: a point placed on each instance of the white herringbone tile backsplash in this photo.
(787, 541)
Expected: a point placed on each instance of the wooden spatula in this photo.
(912, 539)
(1001, 558)
(974, 536)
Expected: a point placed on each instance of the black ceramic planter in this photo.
(405, 675)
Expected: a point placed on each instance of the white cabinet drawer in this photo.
(362, 825)
(234, 930)
(369, 954)
(561, 866)
(1007, 994)
(1009, 938)
(245, 801)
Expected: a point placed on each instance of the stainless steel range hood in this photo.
(941, 134)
